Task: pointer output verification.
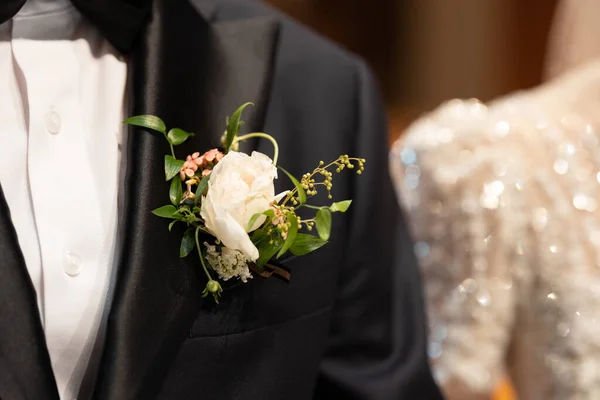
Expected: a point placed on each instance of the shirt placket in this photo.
(67, 218)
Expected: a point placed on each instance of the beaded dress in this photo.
(504, 204)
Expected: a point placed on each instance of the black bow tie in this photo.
(118, 20)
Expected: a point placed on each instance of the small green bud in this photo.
(213, 286)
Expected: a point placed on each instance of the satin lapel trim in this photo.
(193, 74)
(24, 360)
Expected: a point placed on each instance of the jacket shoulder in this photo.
(300, 48)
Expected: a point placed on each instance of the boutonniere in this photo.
(235, 221)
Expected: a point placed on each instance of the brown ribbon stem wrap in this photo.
(269, 269)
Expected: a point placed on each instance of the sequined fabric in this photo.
(503, 201)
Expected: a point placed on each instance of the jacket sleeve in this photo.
(377, 342)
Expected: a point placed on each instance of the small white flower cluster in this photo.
(228, 263)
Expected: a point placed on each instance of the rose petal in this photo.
(235, 237)
(281, 196)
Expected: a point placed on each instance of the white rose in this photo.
(239, 187)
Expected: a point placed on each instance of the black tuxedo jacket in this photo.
(350, 323)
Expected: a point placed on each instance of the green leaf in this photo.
(201, 189)
(258, 236)
(291, 235)
(233, 126)
(252, 220)
(172, 167)
(166, 212)
(172, 223)
(305, 244)
(269, 213)
(267, 250)
(177, 136)
(323, 223)
(301, 192)
(147, 121)
(340, 206)
(175, 192)
(188, 243)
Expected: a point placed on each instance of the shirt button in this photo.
(52, 122)
(72, 263)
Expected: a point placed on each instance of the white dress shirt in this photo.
(62, 89)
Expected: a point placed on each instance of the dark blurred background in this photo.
(427, 51)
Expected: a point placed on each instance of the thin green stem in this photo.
(309, 206)
(264, 136)
(170, 144)
(200, 254)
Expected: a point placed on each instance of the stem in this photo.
(313, 207)
(315, 171)
(264, 136)
(200, 254)
(170, 144)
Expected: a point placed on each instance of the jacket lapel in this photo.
(25, 368)
(192, 69)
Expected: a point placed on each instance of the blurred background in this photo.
(427, 51)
